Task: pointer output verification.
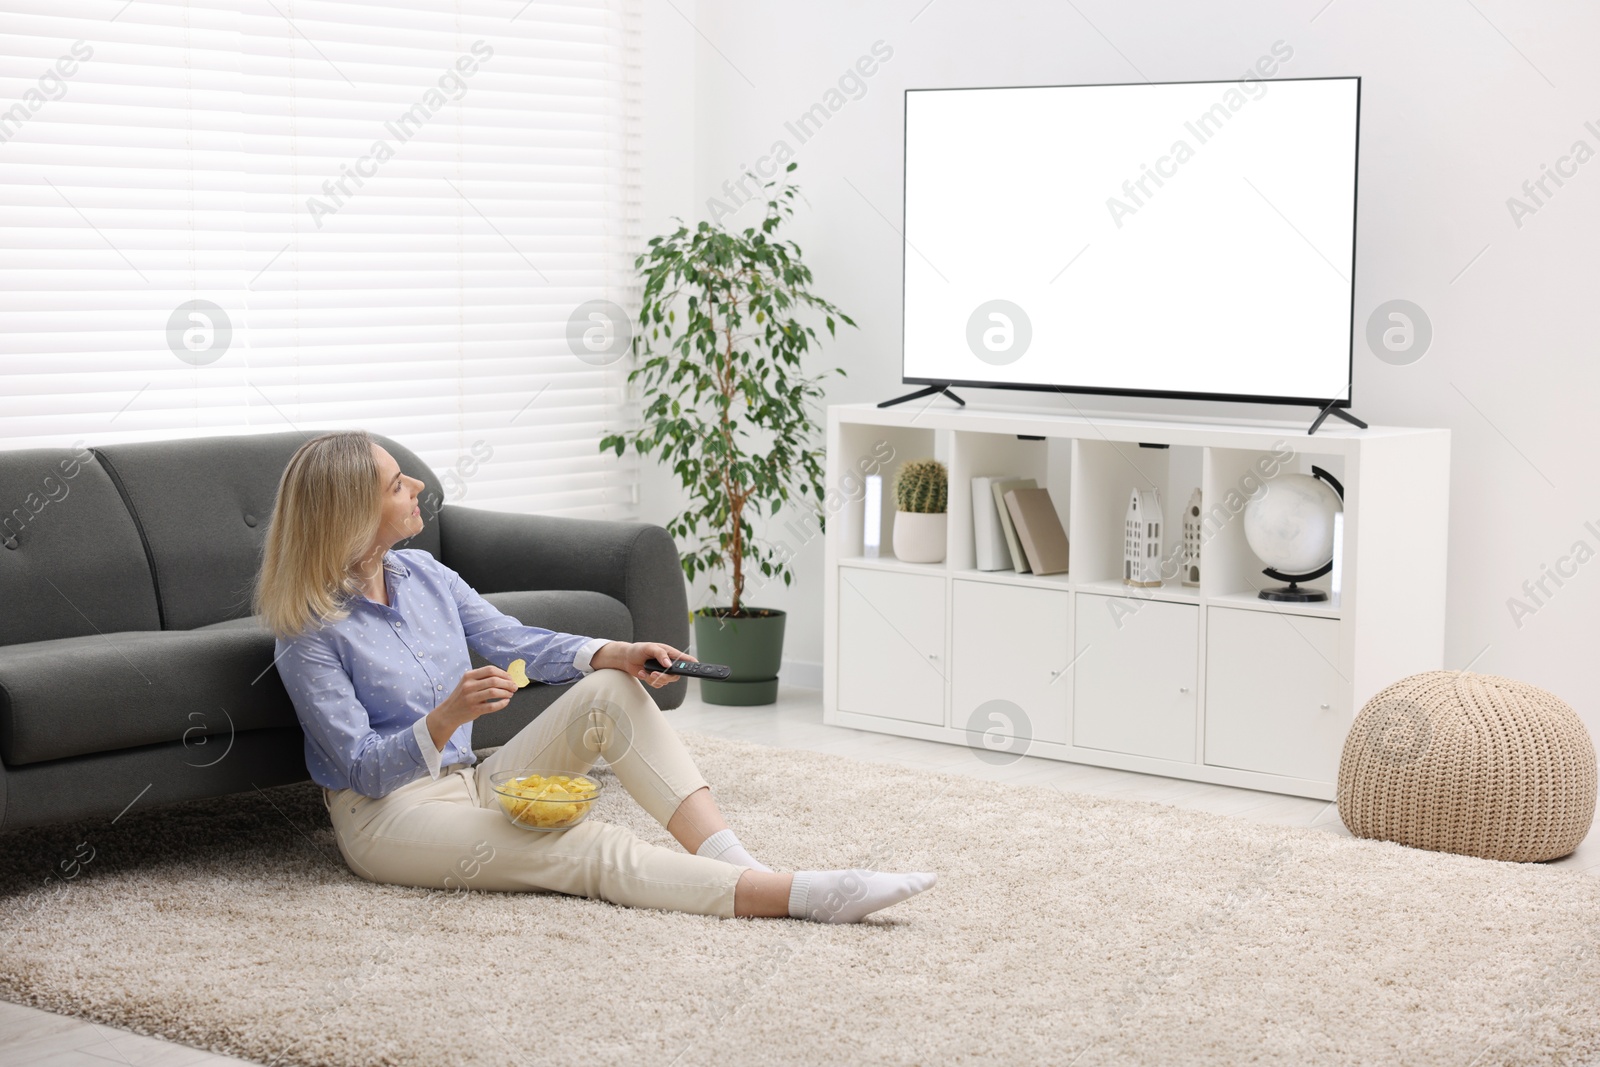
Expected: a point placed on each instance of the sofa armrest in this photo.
(635, 562)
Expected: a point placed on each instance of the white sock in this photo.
(847, 896)
(724, 846)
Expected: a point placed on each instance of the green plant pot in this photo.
(751, 645)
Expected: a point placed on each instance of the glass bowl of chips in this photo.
(545, 799)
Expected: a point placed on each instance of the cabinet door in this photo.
(1010, 644)
(891, 644)
(1275, 701)
(1135, 676)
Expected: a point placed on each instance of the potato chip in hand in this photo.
(518, 672)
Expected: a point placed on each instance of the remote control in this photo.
(690, 669)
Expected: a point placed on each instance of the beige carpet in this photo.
(1064, 929)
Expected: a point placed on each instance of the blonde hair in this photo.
(324, 521)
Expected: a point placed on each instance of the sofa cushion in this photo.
(71, 561)
(203, 508)
(77, 695)
(200, 686)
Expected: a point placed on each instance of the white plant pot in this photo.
(920, 537)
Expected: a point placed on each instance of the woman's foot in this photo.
(845, 896)
(849, 896)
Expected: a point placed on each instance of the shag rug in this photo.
(1064, 929)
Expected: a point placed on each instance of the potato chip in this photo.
(518, 670)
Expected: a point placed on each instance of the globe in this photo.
(1290, 526)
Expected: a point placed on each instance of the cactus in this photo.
(921, 485)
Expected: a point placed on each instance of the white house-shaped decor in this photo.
(1141, 542)
(1191, 540)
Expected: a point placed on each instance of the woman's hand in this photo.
(480, 691)
(630, 657)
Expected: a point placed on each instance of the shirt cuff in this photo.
(581, 661)
(430, 753)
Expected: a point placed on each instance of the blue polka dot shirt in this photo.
(362, 687)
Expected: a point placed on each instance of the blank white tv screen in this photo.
(1184, 239)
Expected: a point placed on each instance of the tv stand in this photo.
(920, 393)
(1340, 412)
(1204, 682)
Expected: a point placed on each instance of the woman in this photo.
(372, 647)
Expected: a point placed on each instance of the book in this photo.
(988, 536)
(1019, 561)
(872, 520)
(1039, 529)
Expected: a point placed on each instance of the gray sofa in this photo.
(132, 675)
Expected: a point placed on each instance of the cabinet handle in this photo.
(1183, 689)
(1057, 673)
(1324, 707)
(933, 655)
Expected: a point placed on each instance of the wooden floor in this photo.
(33, 1038)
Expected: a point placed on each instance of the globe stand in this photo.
(1293, 594)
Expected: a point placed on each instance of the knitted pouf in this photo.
(1476, 764)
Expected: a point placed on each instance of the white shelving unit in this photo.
(1210, 683)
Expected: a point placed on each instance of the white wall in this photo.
(1461, 104)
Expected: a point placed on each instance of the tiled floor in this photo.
(33, 1038)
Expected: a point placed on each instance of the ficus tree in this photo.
(718, 352)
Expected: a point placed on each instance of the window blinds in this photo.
(243, 216)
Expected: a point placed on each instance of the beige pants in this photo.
(452, 834)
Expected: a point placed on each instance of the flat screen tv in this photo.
(1178, 239)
